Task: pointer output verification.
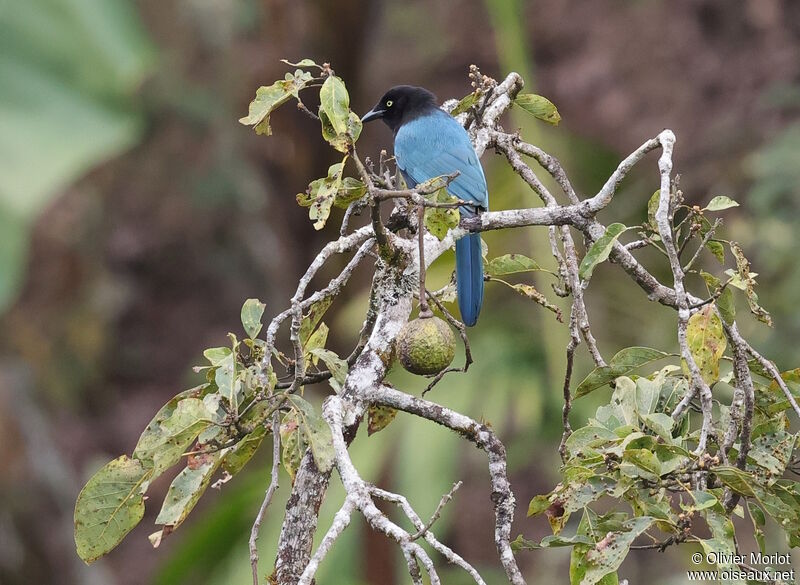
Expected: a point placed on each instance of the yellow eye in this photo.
(389, 103)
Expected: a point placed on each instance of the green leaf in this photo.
(539, 107)
(621, 364)
(216, 355)
(68, 69)
(228, 382)
(164, 441)
(109, 506)
(239, 455)
(187, 488)
(736, 479)
(717, 249)
(727, 306)
(702, 501)
(269, 98)
(316, 433)
(707, 342)
(335, 102)
(645, 460)
(341, 141)
(466, 103)
(252, 311)
(337, 366)
(379, 418)
(719, 203)
(439, 220)
(652, 208)
(312, 318)
(600, 250)
(722, 541)
(538, 505)
(585, 439)
(512, 264)
(350, 190)
(659, 423)
(316, 341)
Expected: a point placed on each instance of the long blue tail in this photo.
(469, 277)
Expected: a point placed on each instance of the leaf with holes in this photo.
(748, 280)
(269, 98)
(350, 190)
(440, 220)
(321, 194)
(607, 554)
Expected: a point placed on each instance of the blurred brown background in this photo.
(136, 215)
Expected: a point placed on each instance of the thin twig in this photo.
(273, 486)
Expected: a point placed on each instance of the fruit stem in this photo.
(424, 310)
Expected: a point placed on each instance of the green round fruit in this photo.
(426, 346)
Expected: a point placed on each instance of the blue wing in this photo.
(435, 144)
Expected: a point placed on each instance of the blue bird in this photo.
(428, 143)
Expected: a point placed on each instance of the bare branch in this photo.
(273, 486)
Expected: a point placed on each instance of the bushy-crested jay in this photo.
(429, 143)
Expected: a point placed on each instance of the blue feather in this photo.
(435, 144)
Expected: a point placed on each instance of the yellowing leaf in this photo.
(706, 340)
(748, 283)
(720, 202)
(379, 418)
(252, 311)
(187, 487)
(512, 264)
(302, 63)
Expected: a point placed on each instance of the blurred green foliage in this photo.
(68, 73)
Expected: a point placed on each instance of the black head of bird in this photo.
(401, 104)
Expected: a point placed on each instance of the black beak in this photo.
(373, 114)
